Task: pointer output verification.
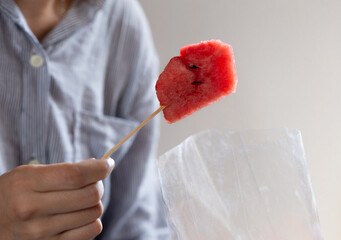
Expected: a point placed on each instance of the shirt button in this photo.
(36, 60)
(33, 161)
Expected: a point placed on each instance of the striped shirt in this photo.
(79, 91)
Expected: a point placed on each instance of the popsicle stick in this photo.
(107, 155)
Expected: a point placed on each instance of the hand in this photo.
(53, 202)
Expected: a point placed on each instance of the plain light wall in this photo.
(288, 57)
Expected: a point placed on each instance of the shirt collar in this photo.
(9, 8)
(80, 13)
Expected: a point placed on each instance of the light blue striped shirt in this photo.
(79, 91)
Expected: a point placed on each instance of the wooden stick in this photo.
(107, 155)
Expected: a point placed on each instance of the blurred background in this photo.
(288, 57)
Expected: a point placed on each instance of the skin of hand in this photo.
(53, 202)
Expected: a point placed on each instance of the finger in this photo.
(47, 227)
(70, 200)
(64, 222)
(86, 232)
(66, 176)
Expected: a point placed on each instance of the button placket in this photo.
(34, 115)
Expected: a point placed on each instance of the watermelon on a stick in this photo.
(202, 74)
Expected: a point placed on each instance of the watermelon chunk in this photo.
(201, 75)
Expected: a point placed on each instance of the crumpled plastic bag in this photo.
(251, 185)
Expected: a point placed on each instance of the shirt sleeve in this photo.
(135, 211)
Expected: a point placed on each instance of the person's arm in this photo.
(135, 211)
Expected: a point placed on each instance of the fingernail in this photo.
(111, 163)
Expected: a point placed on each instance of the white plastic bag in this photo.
(239, 185)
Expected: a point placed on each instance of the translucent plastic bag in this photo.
(239, 185)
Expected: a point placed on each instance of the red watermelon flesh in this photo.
(201, 75)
